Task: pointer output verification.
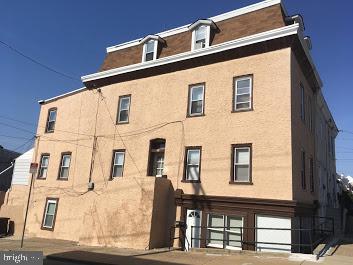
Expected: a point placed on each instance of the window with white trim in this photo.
(43, 168)
(118, 163)
(65, 166)
(241, 163)
(51, 120)
(224, 231)
(124, 109)
(196, 100)
(242, 93)
(192, 163)
(201, 37)
(150, 50)
(50, 214)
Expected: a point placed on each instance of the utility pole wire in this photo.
(38, 62)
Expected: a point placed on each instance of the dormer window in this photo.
(150, 47)
(201, 37)
(150, 50)
(201, 33)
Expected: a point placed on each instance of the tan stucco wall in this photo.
(14, 207)
(302, 136)
(163, 100)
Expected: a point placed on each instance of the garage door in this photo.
(273, 238)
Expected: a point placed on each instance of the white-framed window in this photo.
(193, 163)
(242, 93)
(200, 37)
(124, 109)
(196, 100)
(215, 229)
(302, 102)
(150, 50)
(241, 163)
(65, 166)
(43, 168)
(50, 214)
(224, 231)
(118, 163)
(51, 120)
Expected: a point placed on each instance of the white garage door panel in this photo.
(273, 236)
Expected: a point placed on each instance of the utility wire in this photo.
(13, 137)
(34, 125)
(38, 62)
(17, 128)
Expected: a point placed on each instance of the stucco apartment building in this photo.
(212, 124)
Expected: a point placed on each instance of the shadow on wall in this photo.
(163, 215)
(2, 198)
(92, 258)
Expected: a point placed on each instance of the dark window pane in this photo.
(243, 105)
(48, 222)
(124, 116)
(51, 125)
(193, 173)
(118, 171)
(149, 56)
(196, 107)
(64, 172)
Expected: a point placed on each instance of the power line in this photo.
(38, 62)
(17, 128)
(34, 125)
(344, 131)
(13, 137)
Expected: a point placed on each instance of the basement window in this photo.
(50, 213)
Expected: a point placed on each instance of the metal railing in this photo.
(303, 240)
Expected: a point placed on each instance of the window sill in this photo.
(241, 183)
(41, 178)
(195, 115)
(63, 179)
(190, 181)
(122, 123)
(49, 131)
(47, 228)
(242, 110)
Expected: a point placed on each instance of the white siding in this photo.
(21, 173)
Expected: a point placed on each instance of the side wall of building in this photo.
(302, 134)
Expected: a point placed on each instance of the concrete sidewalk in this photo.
(67, 251)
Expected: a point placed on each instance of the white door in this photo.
(271, 237)
(193, 222)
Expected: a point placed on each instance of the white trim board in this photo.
(43, 101)
(248, 40)
(221, 17)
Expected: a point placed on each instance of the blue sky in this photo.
(71, 36)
